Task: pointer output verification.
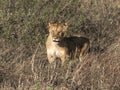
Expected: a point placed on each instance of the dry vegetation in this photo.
(23, 31)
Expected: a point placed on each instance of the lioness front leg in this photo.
(64, 57)
(63, 60)
(51, 58)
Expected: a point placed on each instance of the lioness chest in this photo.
(56, 51)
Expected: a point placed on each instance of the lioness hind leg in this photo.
(83, 51)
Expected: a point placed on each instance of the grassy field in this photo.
(23, 32)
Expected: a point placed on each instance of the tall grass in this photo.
(23, 32)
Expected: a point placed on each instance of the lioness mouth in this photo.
(56, 40)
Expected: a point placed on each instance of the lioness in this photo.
(60, 46)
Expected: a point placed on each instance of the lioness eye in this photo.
(52, 32)
(62, 34)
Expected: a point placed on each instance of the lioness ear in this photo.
(65, 26)
(49, 24)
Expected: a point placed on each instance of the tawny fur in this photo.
(60, 46)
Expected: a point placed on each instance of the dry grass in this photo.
(23, 29)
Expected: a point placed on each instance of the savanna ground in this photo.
(23, 31)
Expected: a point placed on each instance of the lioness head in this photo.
(57, 31)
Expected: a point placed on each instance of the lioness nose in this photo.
(55, 37)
